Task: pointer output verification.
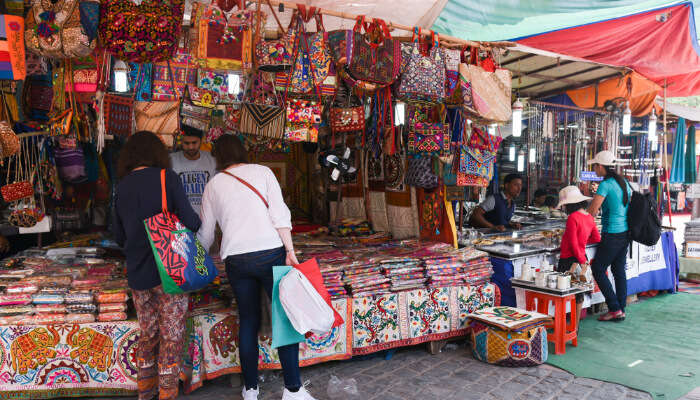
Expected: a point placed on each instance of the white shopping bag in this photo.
(304, 306)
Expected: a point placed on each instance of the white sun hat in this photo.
(571, 195)
(605, 157)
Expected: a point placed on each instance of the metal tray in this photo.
(566, 292)
(510, 251)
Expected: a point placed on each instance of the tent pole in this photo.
(668, 177)
(426, 32)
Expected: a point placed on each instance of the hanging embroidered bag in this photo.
(224, 42)
(263, 116)
(183, 264)
(170, 77)
(63, 28)
(9, 142)
(303, 120)
(148, 32)
(420, 173)
(429, 139)
(278, 55)
(476, 162)
(376, 61)
(486, 95)
(424, 78)
(118, 112)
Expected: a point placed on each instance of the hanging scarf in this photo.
(678, 165)
(690, 171)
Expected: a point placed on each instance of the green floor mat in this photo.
(656, 349)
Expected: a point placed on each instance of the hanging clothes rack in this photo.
(446, 39)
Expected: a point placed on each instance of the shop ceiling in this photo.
(539, 75)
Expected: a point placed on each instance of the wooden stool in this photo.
(562, 332)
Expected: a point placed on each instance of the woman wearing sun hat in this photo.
(580, 231)
(613, 198)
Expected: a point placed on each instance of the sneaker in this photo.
(302, 394)
(250, 394)
(616, 316)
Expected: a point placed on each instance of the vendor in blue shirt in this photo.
(496, 211)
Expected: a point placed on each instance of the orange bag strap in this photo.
(163, 194)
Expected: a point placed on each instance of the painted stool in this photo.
(563, 332)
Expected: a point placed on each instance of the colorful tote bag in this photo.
(148, 32)
(377, 62)
(263, 120)
(183, 264)
(429, 139)
(224, 43)
(12, 52)
(476, 162)
(184, 72)
(303, 120)
(424, 77)
(509, 348)
(486, 95)
(63, 28)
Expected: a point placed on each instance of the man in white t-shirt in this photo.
(195, 167)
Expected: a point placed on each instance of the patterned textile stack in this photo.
(366, 279)
(353, 227)
(692, 234)
(63, 288)
(465, 266)
(405, 274)
(333, 279)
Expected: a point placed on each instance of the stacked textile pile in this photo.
(366, 279)
(466, 266)
(44, 288)
(333, 279)
(692, 234)
(405, 274)
(353, 227)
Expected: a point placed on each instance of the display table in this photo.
(648, 268)
(68, 360)
(377, 323)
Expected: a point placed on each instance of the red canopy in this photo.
(659, 44)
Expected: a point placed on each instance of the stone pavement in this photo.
(412, 373)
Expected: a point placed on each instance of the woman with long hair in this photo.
(246, 201)
(161, 316)
(613, 198)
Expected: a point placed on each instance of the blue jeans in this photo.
(247, 273)
(612, 251)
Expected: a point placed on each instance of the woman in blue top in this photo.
(612, 250)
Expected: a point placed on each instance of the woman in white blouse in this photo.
(246, 201)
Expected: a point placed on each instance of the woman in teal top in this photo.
(613, 200)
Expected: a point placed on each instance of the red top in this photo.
(580, 231)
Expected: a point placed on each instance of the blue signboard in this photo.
(590, 176)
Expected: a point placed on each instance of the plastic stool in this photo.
(563, 332)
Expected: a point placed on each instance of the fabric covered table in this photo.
(371, 324)
(68, 360)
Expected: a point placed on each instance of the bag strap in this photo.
(249, 187)
(163, 194)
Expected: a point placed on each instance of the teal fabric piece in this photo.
(507, 19)
(678, 163)
(614, 215)
(690, 171)
(283, 333)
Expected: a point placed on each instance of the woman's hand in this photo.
(291, 259)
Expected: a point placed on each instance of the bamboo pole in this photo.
(393, 25)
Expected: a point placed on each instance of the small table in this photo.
(563, 332)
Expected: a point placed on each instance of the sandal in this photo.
(616, 316)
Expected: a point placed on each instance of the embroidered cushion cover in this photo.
(429, 138)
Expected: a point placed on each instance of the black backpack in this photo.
(643, 222)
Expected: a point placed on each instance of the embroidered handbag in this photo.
(183, 264)
(486, 95)
(60, 125)
(159, 117)
(118, 113)
(277, 55)
(63, 28)
(224, 43)
(432, 211)
(303, 120)
(195, 116)
(509, 348)
(452, 60)
(420, 173)
(17, 191)
(217, 81)
(143, 33)
(202, 97)
(429, 139)
(71, 164)
(82, 75)
(483, 141)
(476, 162)
(377, 61)
(347, 114)
(9, 142)
(140, 81)
(424, 78)
(233, 117)
(471, 180)
(167, 85)
(313, 59)
(260, 117)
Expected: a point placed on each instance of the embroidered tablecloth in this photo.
(67, 360)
